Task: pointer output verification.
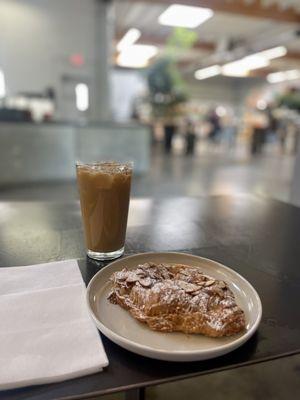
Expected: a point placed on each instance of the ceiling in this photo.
(144, 16)
(247, 33)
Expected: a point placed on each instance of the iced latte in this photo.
(104, 190)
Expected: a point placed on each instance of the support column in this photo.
(100, 100)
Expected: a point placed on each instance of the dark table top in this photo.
(257, 237)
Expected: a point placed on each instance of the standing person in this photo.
(169, 132)
(229, 130)
(214, 121)
(190, 138)
(259, 124)
(272, 121)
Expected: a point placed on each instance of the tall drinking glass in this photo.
(104, 189)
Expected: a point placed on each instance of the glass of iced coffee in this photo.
(104, 189)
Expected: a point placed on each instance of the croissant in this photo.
(177, 298)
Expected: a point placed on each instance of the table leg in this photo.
(135, 394)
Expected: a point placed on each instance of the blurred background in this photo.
(204, 96)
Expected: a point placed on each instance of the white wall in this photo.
(126, 86)
(37, 38)
(222, 90)
(213, 90)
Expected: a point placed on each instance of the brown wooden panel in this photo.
(254, 9)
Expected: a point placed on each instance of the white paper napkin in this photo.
(46, 333)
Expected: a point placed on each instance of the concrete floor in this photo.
(218, 171)
(211, 171)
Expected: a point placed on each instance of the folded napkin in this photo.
(46, 333)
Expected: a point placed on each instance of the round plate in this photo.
(118, 325)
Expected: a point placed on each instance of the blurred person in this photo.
(259, 125)
(215, 125)
(229, 128)
(190, 138)
(273, 124)
(134, 115)
(282, 133)
(169, 132)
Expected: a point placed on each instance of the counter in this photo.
(39, 152)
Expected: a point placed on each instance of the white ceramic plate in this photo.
(117, 324)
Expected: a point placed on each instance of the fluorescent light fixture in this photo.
(184, 16)
(254, 62)
(242, 67)
(128, 39)
(277, 77)
(82, 96)
(275, 52)
(234, 70)
(208, 72)
(2, 84)
(136, 56)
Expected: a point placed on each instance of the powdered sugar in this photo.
(178, 298)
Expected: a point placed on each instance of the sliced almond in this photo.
(188, 287)
(207, 277)
(146, 282)
(219, 292)
(121, 275)
(112, 297)
(165, 274)
(184, 272)
(140, 271)
(209, 283)
(152, 273)
(132, 277)
(151, 264)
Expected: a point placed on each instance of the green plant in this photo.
(291, 99)
(166, 85)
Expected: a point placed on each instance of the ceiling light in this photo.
(275, 52)
(242, 67)
(136, 56)
(184, 16)
(128, 39)
(255, 62)
(235, 71)
(276, 77)
(205, 73)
